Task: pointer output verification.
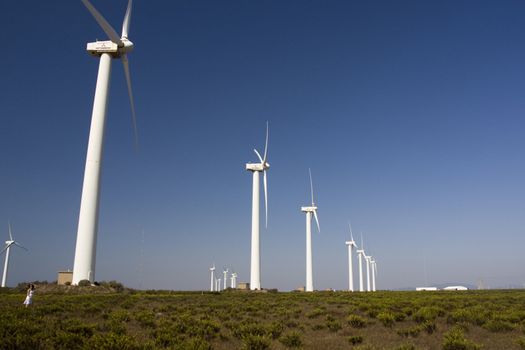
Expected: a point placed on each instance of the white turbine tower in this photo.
(360, 255)
(116, 47)
(212, 270)
(225, 273)
(218, 285)
(234, 280)
(256, 168)
(7, 249)
(351, 245)
(368, 258)
(373, 266)
(309, 211)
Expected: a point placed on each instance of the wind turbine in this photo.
(234, 280)
(7, 249)
(374, 272)
(225, 273)
(256, 168)
(212, 270)
(309, 211)
(116, 47)
(351, 244)
(368, 258)
(360, 254)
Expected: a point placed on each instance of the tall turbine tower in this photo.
(116, 47)
(7, 249)
(374, 270)
(256, 168)
(225, 273)
(351, 245)
(360, 255)
(367, 259)
(234, 280)
(309, 211)
(212, 270)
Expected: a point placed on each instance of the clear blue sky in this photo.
(410, 114)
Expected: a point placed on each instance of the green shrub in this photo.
(84, 283)
(429, 327)
(291, 340)
(521, 343)
(409, 332)
(255, 342)
(405, 347)
(145, 318)
(428, 313)
(356, 321)
(455, 340)
(387, 318)
(111, 341)
(498, 325)
(333, 325)
(316, 312)
(355, 339)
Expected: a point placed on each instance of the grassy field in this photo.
(78, 319)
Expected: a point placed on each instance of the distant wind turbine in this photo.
(256, 168)
(351, 245)
(212, 271)
(8, 244)
(360, 255)
(234, 280)
(309, 211)
(225, 273)
(373, 266)
(367, 259)
(116, 47)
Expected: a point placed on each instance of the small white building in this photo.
(455, 288)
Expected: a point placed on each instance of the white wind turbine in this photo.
(309, 211)
(7, 249)
(373, 266)
(234, 280)
(212, 270)
(360, 255)
(351, 245)
(116, 47)
(225, 273)
(256, 168)
(368, 258)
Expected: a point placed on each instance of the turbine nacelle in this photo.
(98, 48)
(351, 243)
(257, 166)
(308, 209)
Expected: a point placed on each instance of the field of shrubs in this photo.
(76, 318)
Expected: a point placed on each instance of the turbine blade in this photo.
(311, 186)
(317, 221)
(362, 244)
(10, 234)
(265, 145)
(351, 233)
(5, 248)
(21, 246)
(125, 63)
(106, 27)
(265, 181)
(258, 155)
(127, 19)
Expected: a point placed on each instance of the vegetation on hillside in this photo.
(72, 318)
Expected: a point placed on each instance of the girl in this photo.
(30, 292)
